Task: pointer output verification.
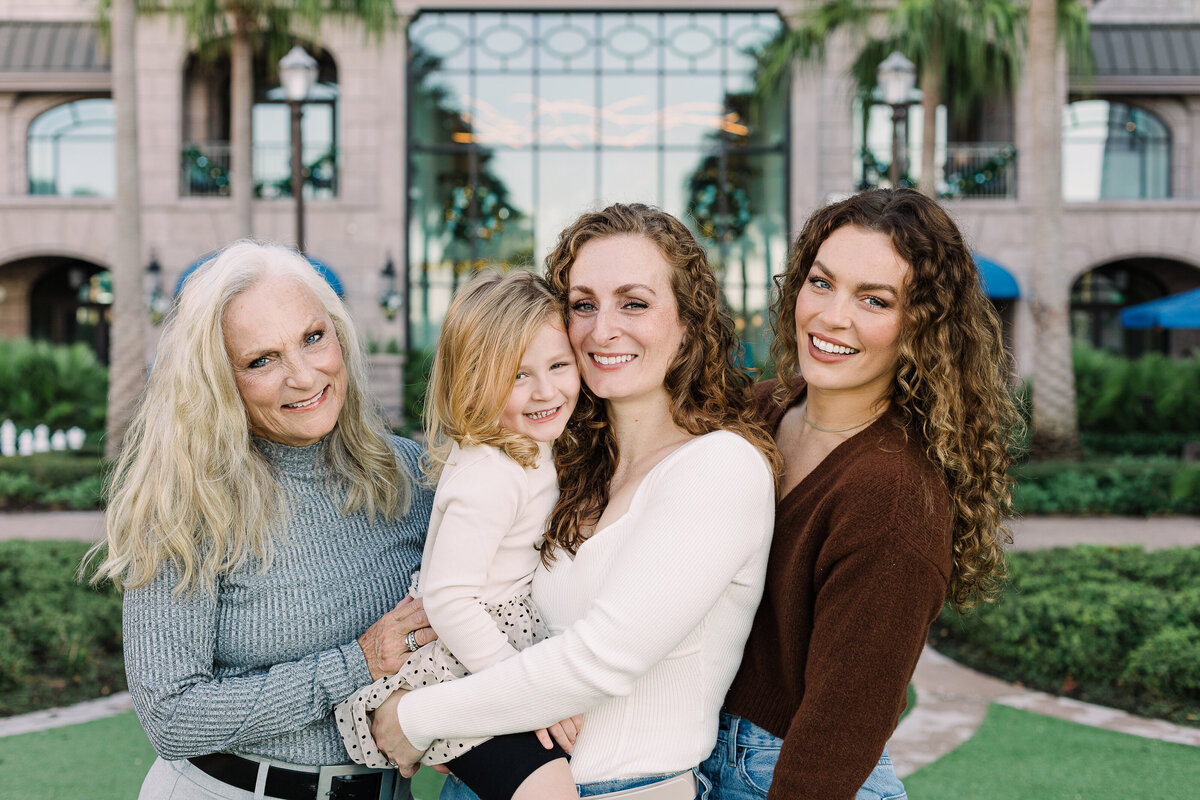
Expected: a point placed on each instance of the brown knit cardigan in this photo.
(858, 570)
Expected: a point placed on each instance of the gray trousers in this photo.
(182, 780)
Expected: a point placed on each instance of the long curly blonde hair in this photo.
(953, 383)
(189, 486)
(487, 329)
(708, 390)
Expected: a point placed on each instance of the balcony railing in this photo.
(204, 170)
(965, 170)
(979, 170)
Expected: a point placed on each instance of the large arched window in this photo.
(1112, 151)
(71, 150)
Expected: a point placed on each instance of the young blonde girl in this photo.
(503, 385)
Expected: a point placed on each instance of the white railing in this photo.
(38, 439)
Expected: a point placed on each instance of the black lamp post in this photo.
(156, 300)
(390, 299)
(896, 77)
(297, 73)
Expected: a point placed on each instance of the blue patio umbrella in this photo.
(998, 283)
(1174, 311)
(323, 269)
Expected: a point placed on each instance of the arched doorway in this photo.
(1098, 295)
(70, 301)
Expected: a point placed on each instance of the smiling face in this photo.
(547, 385)
(624, 321)
(287, 362)
(848, 314)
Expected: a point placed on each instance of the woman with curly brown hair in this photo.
(893, 420)
(654, 559)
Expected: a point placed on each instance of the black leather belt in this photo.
(288, 784)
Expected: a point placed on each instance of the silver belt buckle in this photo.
(387, 779)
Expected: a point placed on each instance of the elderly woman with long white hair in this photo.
(264, 525)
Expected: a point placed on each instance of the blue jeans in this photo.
(454, 789)
(742, 763)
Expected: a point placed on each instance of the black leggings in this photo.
(495, 769)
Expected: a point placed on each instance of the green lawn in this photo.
(101, 760)
(1016, 755)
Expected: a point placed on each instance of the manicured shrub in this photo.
(416, 378)
(53, 480)
(1124, 485)
(1100, 443)
(1152, 394)
(59, 386)
(80, 496)
(1166, 664)
(1115, 626)
(60, 640)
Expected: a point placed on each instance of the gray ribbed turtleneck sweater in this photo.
(257, 668)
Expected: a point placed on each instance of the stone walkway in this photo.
(951, 699)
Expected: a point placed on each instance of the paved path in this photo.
(951, 699)
(84, 526)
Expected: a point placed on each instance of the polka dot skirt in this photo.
(518, 619)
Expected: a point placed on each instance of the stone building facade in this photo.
(464, 137)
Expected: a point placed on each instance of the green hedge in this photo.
(1097, 443)
(1114, 626)
(417, 366)
(1124, 485)
(1152, 394)
(60, 642)
(59, 386)
(72, 480)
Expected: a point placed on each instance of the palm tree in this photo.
(127, 354)
(964, 52)
(245, 25)
(1055, 421)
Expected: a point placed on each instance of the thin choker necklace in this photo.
(815, 426)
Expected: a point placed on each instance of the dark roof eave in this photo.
(44, 82)
(1136, 84)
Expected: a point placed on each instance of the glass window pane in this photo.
(71, 150)
(568, 42)
(444, 39)
(567, 114)
(678, 168)
(503, 110)
(629, 176)
(629, 113)
(745, 34)
(630, 43)
(506, 208)
(566, 183)
(1113, 151)
(692, 42)
(439, 109)
(693, 108)
(505, 42)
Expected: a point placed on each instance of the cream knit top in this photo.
(489, 514)
(650, 616)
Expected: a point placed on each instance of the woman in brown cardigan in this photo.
(894, 423)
